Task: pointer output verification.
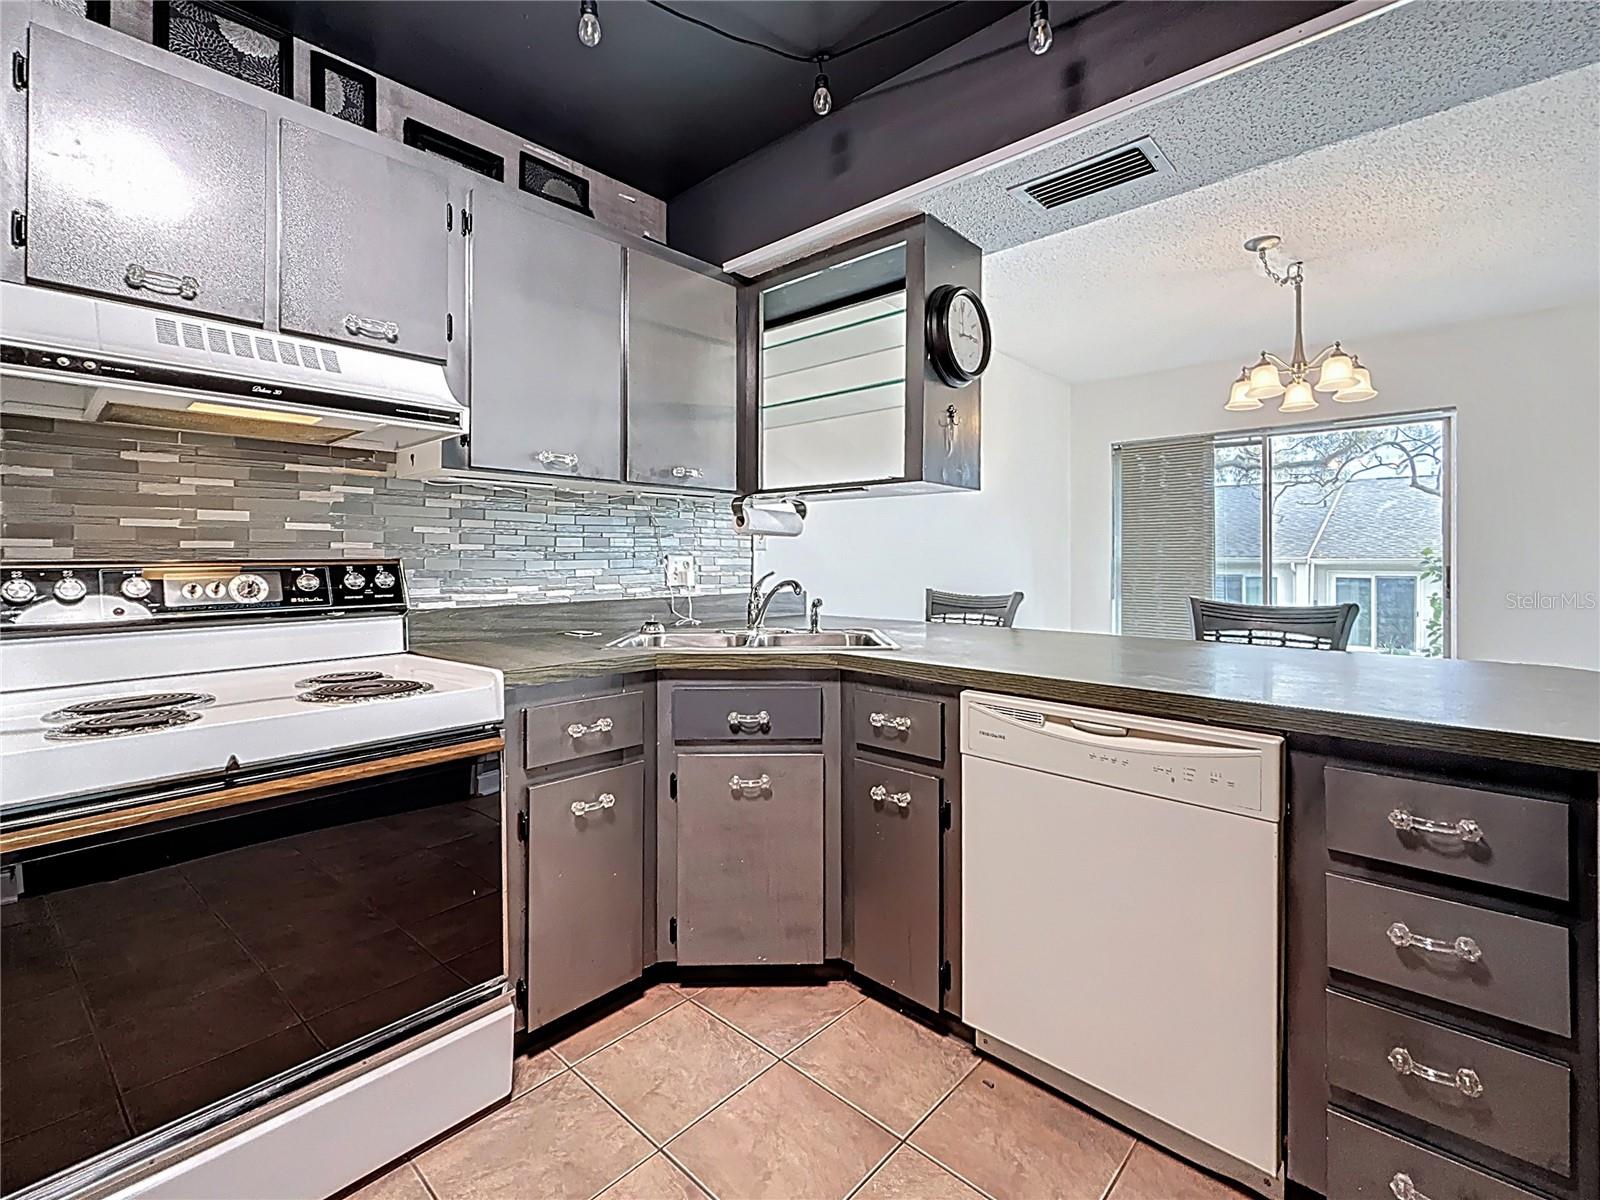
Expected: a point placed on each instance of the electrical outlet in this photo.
(680, 570)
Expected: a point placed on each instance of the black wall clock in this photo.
(958, 334)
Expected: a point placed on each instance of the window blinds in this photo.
(1165, 538)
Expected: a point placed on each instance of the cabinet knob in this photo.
(880, 720)
(882, 795)
(1402, 1188)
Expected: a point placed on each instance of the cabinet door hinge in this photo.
(19, 227)
(466, 221)
(449, 327)
(522, 994)
(672, 931)
(449, 217)
(945, 814)
(522, 827)
(944, 976)
(19, 70)
(672, 785)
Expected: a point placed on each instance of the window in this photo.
(1350, 512)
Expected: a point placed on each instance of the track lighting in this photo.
(588, 24)
(821, 98)
(1039, 33)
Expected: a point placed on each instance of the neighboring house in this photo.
(1364, 541)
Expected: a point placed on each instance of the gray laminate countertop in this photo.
(1547, 715)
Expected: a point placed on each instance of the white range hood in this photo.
(77, 358)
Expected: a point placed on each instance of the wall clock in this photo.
(958, 334)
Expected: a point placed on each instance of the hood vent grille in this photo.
(238, 345)
(1113, 169)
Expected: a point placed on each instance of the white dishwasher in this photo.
(1121, 927)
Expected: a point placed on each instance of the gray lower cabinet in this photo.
(546, 344)
(585, 889)
(893, 876)
(682, 375)
(143, 186)
(363, 245)
(750, 858)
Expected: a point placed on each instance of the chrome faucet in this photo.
(757, 605)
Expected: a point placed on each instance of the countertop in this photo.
(1545, 715)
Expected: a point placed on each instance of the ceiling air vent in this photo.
(1113, 169)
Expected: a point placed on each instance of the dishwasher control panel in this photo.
(1230, 770)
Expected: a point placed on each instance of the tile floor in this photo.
(784, 1093)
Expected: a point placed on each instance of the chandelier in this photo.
(1335, 370)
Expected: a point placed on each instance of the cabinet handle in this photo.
(1464, 948)
(185, 286)
(759, 784)
(882, 795)
(548, 458)
(1466, 829)
(1403, 1189)
(575, 730)
(885, 721)
(1464, 1079)
(367, 327)
(760, 722)
(687, 473)
(581, 808)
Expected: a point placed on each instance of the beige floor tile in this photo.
(402, 1183)
(782, 1138)
(655, 1179)
(559, 1140)
(667, 1074)
(528, 1071)
(610, 1027)
(780, 1018)
(887, 1065)
(1153, 1174)
(912, 1176)
(1014, 1139)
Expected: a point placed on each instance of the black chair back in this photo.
(1323, 627)
(959, 608)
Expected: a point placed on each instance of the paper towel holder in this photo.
(744, 506)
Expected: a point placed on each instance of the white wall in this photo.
(873, 557)
(1526, 390)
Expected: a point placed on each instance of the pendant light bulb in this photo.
(822, 98)
(588, 24)
(1040, 35)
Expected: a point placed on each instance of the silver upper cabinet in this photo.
(546, 344)
(141, 185)
(682, 375)
(363, 244)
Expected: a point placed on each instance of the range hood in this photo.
(100, 360)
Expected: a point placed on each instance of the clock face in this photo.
(969, 343)
(958, 335)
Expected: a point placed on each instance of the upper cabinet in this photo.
(143, 186)
(682, 375)
(861, 367)
(546, 344)
(363, 245)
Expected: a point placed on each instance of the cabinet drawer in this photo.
(572, 729)
(1365, 1163)
(747, 714)
(898, 724)
(1522, 968)
(1489, 837)
(585, 889)
(1523, 1106)
(893, 877)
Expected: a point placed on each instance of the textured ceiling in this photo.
(1395, 66)
(1488, 208)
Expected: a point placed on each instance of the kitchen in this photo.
(483, 711)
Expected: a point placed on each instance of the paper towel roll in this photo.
(768, 518)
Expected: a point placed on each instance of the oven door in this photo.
(171, 961)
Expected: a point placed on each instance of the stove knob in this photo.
(248, 589)
(135, 587)
(307, 582)
(354, 581)
(70, 590)
(192, 591)
(217, 590)
(383, 580)
(18, 590)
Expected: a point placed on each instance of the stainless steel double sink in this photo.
(764, 639)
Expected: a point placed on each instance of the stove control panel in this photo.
(43, 597)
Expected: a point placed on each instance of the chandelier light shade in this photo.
(1271, 377)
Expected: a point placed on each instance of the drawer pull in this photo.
(687, 473)
(1403, 1189)
(885, 721)
(882, 795)
(604, 800)
(759, 722)
(554, 458)
(1466, 829)
(356, 326)
(1464, 948)
(759, 784)
(1464, 1079)
(577, 730)
(185, 286)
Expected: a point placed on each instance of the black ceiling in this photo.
(659, 104)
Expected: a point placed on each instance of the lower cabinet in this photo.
(585, 889)
(750, 858)
(893, 876)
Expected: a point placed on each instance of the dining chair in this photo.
(1314, 627)
(959, 608)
